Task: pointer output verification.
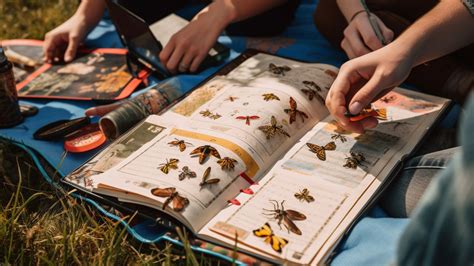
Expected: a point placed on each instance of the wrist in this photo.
(224, 13)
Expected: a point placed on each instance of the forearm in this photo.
(91, 11)
(349, 7)
(447, 27)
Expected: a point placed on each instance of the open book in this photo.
(253, 157)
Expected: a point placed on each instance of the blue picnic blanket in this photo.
(372, 241)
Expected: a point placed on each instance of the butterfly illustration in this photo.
(170, 164)
(320, 98)
(310, 93)
(277, 243)
(205, 178)
(338, 136)
(320, 151)
(227, 163)
(304, 195)
(293, 111)
(278, 70)
(206, 113)
(179, 202)
(354, 160)
(273, 129)
(311, 85)
(270, 97)
(204, 152)
(248, 118)
(186, 172)
(215, 116)
(180, 143)
(380, 114)
(280, 215)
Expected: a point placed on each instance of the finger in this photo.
(365, 95)
(175, 58)
(185, 63)
(347, 48)
(49, 46)
(356, 43)
(386, 32)
(167, 51)
(197, 62)
(71, 48)
(101, 110)
(369, 36)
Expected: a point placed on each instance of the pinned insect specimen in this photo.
(215, 116)
(380, 114)
(170, 164)
(320, 151)
(273, 129)
(180, 143)
(293, 112)
(286, 217)
(278, 70)
(179, 202)
(248, 118)
(227, 163)
(304, 195)
(206, 180)
(311, 85)
(388, 99)
(338, 136)
(354, 160)
(204, 152)
(270, 97)
(310, 93)
(206, 113)
(231, 98)
(276, 242)
(186, 172)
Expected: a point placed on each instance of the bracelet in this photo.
(357, 13)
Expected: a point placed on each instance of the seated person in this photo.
(345, 24)
(188, 47)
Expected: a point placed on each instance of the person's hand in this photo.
(62, 42)
(360, 38)
(188, 47)
(363, 80)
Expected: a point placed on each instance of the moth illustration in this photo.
(215, 116)
(304, 195)
(270, 97)
(273, 129)
(311, 85)
(280, 215)
(227, 163)
(231, 98)
(320, 151)
(354, 160)
(179, 202)
(180, 143)
(206, 113)
(206, 180)
(186, 172)
(338, 136)
(293, 111)
(248, 118)
(388, 99)
(170, 164)
(277, 243)
(310, 93)
(204, 152)
(278, 70)
(320, 98)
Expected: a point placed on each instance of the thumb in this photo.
(365, 95)
(71, 48)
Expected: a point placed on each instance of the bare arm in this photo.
(447, 27)
(349, 7)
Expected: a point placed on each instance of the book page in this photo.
(336, 182)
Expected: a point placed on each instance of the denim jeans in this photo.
(441, 231)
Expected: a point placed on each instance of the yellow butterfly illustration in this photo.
(320, 151)
(170, 164)
(276, 242)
